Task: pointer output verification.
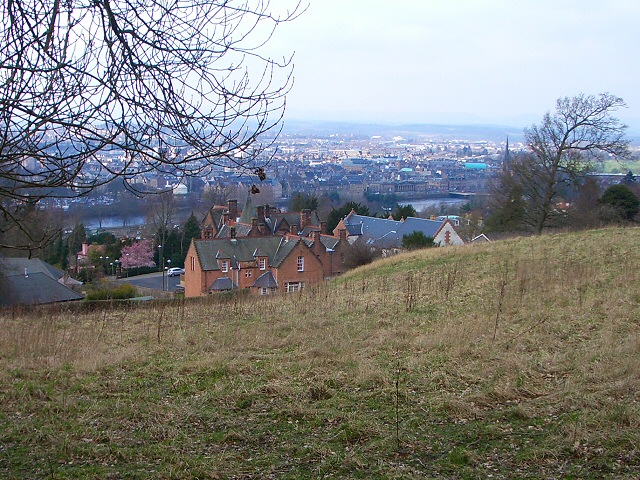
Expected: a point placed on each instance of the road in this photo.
(153, 280)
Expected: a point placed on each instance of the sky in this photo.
(459, 61)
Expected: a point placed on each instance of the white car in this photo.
(175, 271)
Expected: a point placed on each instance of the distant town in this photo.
(388, 168)
(395, 166)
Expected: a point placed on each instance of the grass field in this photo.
(516, 359)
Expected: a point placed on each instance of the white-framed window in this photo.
(262, 263)
(224, 266)
(301, 263)
(294, 286)
(248, 274)
(264, 291)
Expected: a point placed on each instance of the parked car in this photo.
(175, 271)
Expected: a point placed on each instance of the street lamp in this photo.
(391, 232)
(380, 238)
(167, 269)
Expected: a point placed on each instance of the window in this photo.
(264, 291)
(294, 286)
(193, 263)
(301, 263)
(248, 274)
(224, 266)
(263, 263)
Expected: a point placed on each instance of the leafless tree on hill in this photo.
(175, 85)
(561, 149)
(581, 130)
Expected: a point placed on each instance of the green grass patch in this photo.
(413, 367)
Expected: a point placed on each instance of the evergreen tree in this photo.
(623, 200)
(404, 211)
(338, 214)
(416, 240)
(301, 201)
(190, 231)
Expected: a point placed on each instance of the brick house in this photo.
(262, 264)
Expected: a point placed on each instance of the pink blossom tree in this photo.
(138, 254)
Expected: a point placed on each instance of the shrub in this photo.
(121, 292)
(415, 240)
(359, 254)
(623, 200)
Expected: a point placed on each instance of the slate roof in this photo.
(266, 280)
(382, 232)
(222, 284)
(216, 215)
(244, 249)
(34, 289)
(32, 265)
(248, 212)
(242, 230)
(292, 218)
(328, 242)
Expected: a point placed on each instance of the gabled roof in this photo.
(222, 284)
(216, 215)
(242, 230)
(386, 233)
(328, 242)
(237, 249)
(292, 218)
(266, 280)
(34, 289)
(284, 249)
(30, 265)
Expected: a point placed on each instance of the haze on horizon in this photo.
(459, 61)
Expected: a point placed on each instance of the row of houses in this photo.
(267, 251)
(261, 249)
(258, 248)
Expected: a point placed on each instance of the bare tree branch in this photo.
(175, 86)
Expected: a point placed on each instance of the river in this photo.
(443, 204)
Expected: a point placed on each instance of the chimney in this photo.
(323, 228)
(232, 232)
(318, 248)
(305, 218)
(85, 248)
(254, 222)
(260, 210)
(293, 229)
(343, 234)
(225, 218)
(233, 208)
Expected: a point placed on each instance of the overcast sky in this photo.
(459, 61)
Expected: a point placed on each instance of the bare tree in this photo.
(92, 90)
(160, 216)
(580, 131)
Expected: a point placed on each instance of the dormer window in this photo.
(224, 266)
(262, 263)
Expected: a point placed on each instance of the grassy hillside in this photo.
(517, 359)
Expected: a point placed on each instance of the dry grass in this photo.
(513, 359)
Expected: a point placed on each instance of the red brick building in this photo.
(263, 264)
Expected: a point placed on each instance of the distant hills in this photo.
(474, 132)
(495, 133)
